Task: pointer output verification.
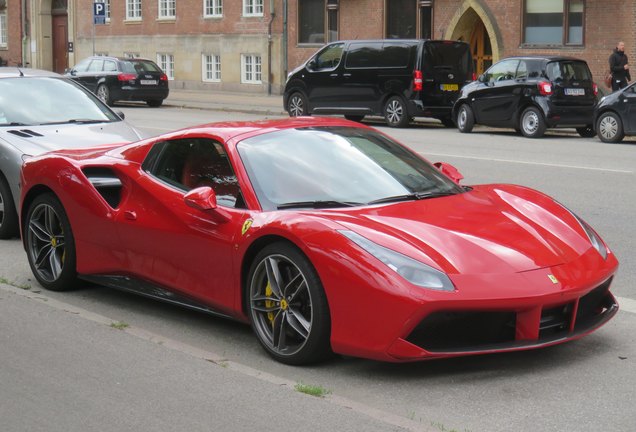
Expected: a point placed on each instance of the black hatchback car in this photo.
(116, 78)
(615, 115)
(530, 94)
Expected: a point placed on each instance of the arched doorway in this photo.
(481, 48)
(59, 34)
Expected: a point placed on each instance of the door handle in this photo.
(334, 75)
(130, 215)
(346, 75)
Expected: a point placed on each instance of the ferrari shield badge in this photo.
(246, 225)
(553, 279)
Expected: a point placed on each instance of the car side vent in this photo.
(106, 182)
(25, 133)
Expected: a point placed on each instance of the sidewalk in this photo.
(226, 101)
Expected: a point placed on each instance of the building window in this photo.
(133, 10)
(553, 22)
(211, 67)
(401, 19)
(101, 53)
(252, 7)
(166, 63)
(167, 8)
(213, 8)
(3, 29)
(107, 10)
(131, 55)
(251, 69)
(426, 19)
(311, 21)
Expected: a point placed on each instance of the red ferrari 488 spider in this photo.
(326, 235)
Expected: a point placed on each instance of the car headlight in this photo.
(412, 270)
(594, 238)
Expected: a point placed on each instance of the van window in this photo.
(328, 58)
(364, 55)
(395, 54)
(454, 55)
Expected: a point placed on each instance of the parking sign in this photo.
(99, 13)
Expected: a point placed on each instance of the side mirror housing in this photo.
(449, 171)
(481, 78)
(311, 64)
(202, 198)
(120, 114)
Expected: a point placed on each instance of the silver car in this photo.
(42, 111)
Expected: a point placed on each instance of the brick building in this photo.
(250, 45)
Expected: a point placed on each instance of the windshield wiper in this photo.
(412, 197)
(76, 121)
(14, 124)
(317, 204)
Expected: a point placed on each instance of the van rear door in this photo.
(446, 66)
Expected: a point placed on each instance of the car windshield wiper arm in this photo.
(77, 121)
(317, 204)
(411, 197)
(14, 124)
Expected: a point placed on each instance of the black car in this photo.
(530, 94)
(116, 78)
(615, 115)
(398, 79)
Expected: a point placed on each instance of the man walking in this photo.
(619, 67)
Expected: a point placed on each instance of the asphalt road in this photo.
(57, 352)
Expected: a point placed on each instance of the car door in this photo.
(324, 78)
(176, 246)
(628, 100)
(78, 72)
(90, 77)
(495, 98)
(360, 85)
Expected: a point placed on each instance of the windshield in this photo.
(30, 101)
(336, 165)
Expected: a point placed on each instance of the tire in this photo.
(586, 132)
(465, 119)
(395, 112)
(299, 313)
(50, 245)
(8, 213)
(531, 123)
(103, 94)
(297, 105)
(355, 118)
(447, 122)
(155, 103)
(609, 127)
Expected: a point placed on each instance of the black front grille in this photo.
(593, 305)
(463, 331)
(555, 321)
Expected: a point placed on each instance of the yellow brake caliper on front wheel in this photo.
(269, 303)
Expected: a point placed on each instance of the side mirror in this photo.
(202, 198)
(449, 171)
(311, 64)
(481, 78)
(120, 114)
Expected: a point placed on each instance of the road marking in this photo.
(374, 413)
(627, 304)
(529, 163)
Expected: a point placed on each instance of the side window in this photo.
(110, 66)
(502, 71)
(329, 58)
(82, 66)
(364, 55)
(196, 162)
(395, 55)
(522, 70)
(96, 66)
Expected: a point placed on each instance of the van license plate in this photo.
(148, 82)
(574, 92)
(449, 87)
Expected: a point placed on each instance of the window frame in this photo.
(164, 7)
(168, 66)
(4, 31)
(212, 5)
(250, 6)
(132, 7)
(216, 70)
(244, 64)
(565, 30)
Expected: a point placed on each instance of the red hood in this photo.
(491, 229)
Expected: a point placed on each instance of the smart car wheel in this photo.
(609, 128)
(288, 307)
(297, 105)
(532, 124)
(49, 244)
(465, 119)
(586, 131)
(8, 215)
(104, 94)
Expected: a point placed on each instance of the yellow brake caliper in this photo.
(269, 303)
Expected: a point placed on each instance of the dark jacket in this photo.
(617, 61)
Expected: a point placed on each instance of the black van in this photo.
(397, 78)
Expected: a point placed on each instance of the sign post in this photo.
(99, 17)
